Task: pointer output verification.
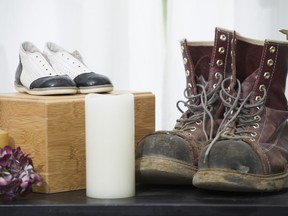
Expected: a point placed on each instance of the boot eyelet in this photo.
(257, 117)
(199, 122)
(272, 49)
(228, 89)
(252, 139)
(185, 61)
(257, 98)
(253, 134)
(214, 86)
(217, 75)
(189, 85)
(193, 129)
(182, 49)
(270, 62)
(221, 50)
(261, 87)
(187, 73)
(266, 75)
(223, 37)
(256, 125)
(229, 100)
(219, 62)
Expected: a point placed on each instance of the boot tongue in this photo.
(248, 84)
(201, 80)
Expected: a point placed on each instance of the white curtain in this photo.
(134, 42)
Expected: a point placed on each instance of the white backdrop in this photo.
(131, 41)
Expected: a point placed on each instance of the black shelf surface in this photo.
(151, 200)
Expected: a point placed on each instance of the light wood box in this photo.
(52, 130)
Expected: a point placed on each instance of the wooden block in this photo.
(52, 130)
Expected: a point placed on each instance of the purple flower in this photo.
(17, 173)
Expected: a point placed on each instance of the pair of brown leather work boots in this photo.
(233, 135)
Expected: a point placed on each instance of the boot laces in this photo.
(239, 116)
(199, 108)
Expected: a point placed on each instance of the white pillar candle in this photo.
(110, 151)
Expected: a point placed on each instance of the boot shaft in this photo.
(202, 60)
(262, 65)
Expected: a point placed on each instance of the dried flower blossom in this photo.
(17, 173)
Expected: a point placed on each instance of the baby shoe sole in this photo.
(229, 180)
(95, 89)
(161, 170)
(47, 91)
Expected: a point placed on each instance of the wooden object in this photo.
(3, 138)
(52, 130)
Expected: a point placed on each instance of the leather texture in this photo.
(266, 152)
(72, 64)
(187, 139)
(34, 74)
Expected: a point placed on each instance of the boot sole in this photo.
(229, 180)
(47, 91)
(95, 89)
(161, 170)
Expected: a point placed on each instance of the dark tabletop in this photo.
(151, 200)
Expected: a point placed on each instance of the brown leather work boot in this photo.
(171, 157)
(250, 151)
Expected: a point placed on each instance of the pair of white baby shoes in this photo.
(56, 71)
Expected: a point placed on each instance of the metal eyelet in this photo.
(219, 62)
(185, 61)
(193, 129)
(214, 86)
(182, 49)
(229, 88)
(261, 87)
(252, 139)
(223, 37)
(257, 98)
(256, 125)
(253, 134)
(189, 85)
(257, 117)
(199, 122)
(221, 50)
(217, 75)
(266, 75)
(272, 49)
(187, 73)
(270, 62)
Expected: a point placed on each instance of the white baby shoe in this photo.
(72, 64)
(35, 75)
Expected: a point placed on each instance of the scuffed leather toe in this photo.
(164, 145)
(233, 155)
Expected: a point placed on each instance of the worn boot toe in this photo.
(164, 158)
(232, 155)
